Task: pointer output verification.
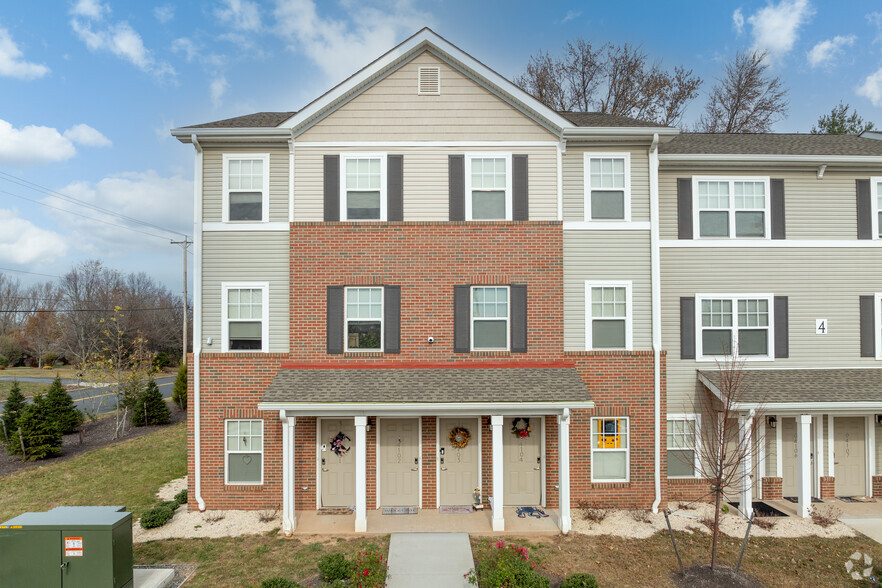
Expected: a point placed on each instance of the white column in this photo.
(761, 457)
(818, 419)
(360, 475)
(804, 466)
(745, 427)
(289, 518)
(498, 521)
(871, 452)
(831, 471)
(563, 454)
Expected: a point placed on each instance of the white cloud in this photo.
(872, 88)
(23, 242)
(33, 145)
(571, 15)
(90, 9)
(775, 27)
(11, 62)
(164, 13)
(738, 21)
(239, 14)
(340, 47)
(826, 52)
(217, 88)
(86, 135)
(875, 19)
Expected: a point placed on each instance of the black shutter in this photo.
(332, 188)
(392, 319)
(782, 322)
(684, 208)
(864, 210)
(456, 186)
(519, 180)
(335, 319)
(687, 328)
(518, 318)
(777, 209)
(394, 187)
(868, 327)
(461, 319)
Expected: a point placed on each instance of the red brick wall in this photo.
(877, 485)
(828, 484)
(689, 490)
(430, 461)
(773, 488)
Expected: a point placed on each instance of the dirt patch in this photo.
(702, 576)
(95, 435)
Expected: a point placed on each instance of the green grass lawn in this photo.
(27, 388)
(65, 371)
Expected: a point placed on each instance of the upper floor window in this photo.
(363, 196)
(364, 319)
(740, 325)
(246, 187)
(728, 207)
(876, 203)
(490, 318)
(607, 186)
(488, 187)
(608, 315)
(245, 324)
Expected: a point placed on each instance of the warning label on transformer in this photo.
(73, 547)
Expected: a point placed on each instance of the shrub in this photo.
(179, 395)
(181, 497)
(12, 409)
(580, 581)
(49, 358)
(504, 564)
(279, 582)
(10, 348)
(150, 408)
(333, 566)
(39, 434)
(161, 360)
(592, 513)
(158, 515)
(369, 570)
(4, 361)
(65, 415)
(825, 517)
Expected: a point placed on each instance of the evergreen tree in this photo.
(39, 434)
(64, 414)
(179, 396)
(150, 408)
(12, 409)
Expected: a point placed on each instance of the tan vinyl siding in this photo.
(878, 447)
(574, 181)
(245, 257)
(425, 179)
(212, 178)
(814, 209)
(606, 255)
(771, 452)
(819, 283)
(391, 110)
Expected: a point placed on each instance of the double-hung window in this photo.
(735, 325)
(607, 186)
(364, 318)
(608, 315)
(244, 449)
(610, 458)
(736, 207)
(245, 310)
(363, 181)
(246, 187)
(682, 440)
(490, 318)
(488, 186)
(876, 203)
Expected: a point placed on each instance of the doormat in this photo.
(394, 510)
(762, 509)
(795, 500)
(856, 499)
(338, 510)
(456, 509)
(532, 511)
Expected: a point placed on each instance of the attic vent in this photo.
(430, 81)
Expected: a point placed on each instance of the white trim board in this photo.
(322, 409)
(770, 243)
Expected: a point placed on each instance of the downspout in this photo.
(197, 320)
(655, 280)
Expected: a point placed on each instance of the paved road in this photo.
(100, 400)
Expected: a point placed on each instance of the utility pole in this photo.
(185, 244)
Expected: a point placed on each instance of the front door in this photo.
(522, 462)
(849, 459)
(337, 466)
(399, 462)
(458, 461)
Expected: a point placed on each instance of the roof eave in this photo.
(421, 408)
(184, 134)
(716, 158)
(664, 133)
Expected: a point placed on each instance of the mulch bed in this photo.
(702, 576)
(95, 435)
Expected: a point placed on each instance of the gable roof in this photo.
(601, 119)
(784, 144)
(249, 121)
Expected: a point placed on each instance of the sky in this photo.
(89, 90)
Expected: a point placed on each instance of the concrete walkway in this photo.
(869, 526)
(429, 560)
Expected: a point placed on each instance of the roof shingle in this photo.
(801, 386)
(258, 119)
(770, 144)
(600, 119)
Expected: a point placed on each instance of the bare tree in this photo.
(41, 333)
(89, 292)
(748, 99)
(582, 71)
(543, 79)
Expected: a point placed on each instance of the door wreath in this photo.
(459, 437)
(337, 444)
(521, 432)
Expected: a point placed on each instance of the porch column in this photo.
(745, 427)
(563, 454)
(289, 518)
(360, 474)
(804, 465)
(497, 520)
(818, 419)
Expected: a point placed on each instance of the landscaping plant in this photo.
(181, 497)
(64, 413)
(580, 581)
(179, 394)
(279, 582)
(150, 407)
(334, 567)
(159, 515)
(369, 570)
(36, 431)
(504, 565)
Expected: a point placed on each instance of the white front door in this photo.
(849, 463)
(337, 467)
(399, 469)
(522, 462)
(458, 466)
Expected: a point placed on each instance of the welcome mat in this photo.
(455, 509)
(396, 510)
(857, 499)
(339, 510)
(532, 511)
(762, 509)
(795, 500)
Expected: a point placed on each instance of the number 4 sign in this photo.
(820, 326)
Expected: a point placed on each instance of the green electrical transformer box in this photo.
(69, 547)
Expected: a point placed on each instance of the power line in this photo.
(6, 269)
(93, 310)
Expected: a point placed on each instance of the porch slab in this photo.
(429, 560)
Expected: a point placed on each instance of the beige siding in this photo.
(878, 448)
(819, 284)
(772, 452)
(606, 255)
(814, 209)
(574, 181)
(245, 257)
(391, 110)
(425, 180)
(212, 178)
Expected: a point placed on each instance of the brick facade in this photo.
(877, 486)
(828, 484)
(773, 488)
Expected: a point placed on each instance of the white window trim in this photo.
(227, 158)
(381, 319)
(697, 419)
(586, 167)
(225, 319)
(627, 450)
(767, 216)
(472, 319)
(699, 356)
(874, 205)
(629, 313)
(877, 313)
(468, 183)
(227, 453)
(366, 155)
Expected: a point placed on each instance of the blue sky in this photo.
(90, 88)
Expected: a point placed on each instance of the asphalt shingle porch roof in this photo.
(807, 385)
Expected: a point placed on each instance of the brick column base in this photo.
(877, 485)
(827, 487)
(773, 488)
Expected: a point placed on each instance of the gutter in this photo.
(722, 158)
(197, 320)
(655, 280)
